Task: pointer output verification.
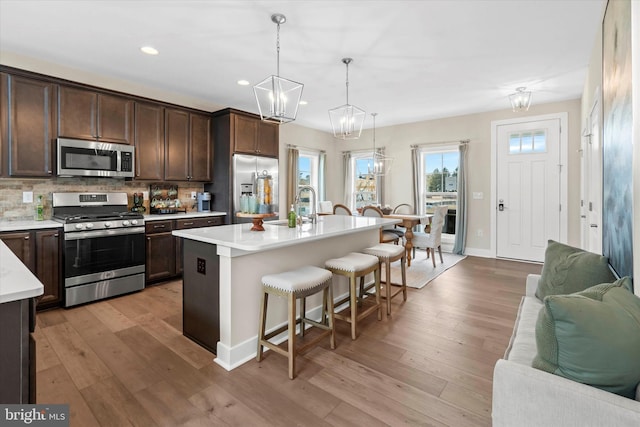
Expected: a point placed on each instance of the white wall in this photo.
(635, 51)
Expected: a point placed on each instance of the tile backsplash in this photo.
(12, 207)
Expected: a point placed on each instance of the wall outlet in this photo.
(193, 195)
(27, 197)
(478, 195)
(201, 266)
(145, 195)
(480, 233)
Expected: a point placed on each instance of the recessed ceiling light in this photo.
(243, 82)
(149, 50)
(303, 102)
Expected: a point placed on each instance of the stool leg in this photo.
(354, 305)
(303, 310)
(329, 304)
(403, 263)
(261, 326)
(387, 286)
(292, 334)
(377, 281)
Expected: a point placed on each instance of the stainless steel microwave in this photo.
(90, 158)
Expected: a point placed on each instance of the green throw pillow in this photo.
(567, 270)
(592, 337)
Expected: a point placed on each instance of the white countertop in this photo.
(16, 281)
(181, 215)
(277, 234)
(27, 225)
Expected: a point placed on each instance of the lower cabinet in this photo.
(164, 251)
(41, 252)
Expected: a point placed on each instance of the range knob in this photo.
(107, 224)
(78, 226)
(89, 225)
(134, 222)
(125, 222)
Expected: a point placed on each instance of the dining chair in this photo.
(339, 209)
(431, 241)
(387, 233)
(403, 208)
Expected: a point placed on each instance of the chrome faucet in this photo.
(314, 215)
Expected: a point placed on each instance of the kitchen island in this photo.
(223, 267)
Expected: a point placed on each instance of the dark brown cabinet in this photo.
(250, 135)
(188, 154)
(86, 114)
(27, 137)
(149, 141)
(41, 253)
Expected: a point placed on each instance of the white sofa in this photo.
(525, 396)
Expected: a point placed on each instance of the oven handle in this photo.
(102, 233)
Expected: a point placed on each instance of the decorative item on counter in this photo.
(138, 201)
(292, 217)
(39, 210)
(164, 199)
(253, 204)
(264, 184)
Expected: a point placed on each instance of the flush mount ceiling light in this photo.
(149, 50)
(520, 100)
(381, 163)
(278, 98)
(347, 120)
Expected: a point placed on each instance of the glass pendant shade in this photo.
(381, 164)
(278, 98)
(520, 100)
(347, 120)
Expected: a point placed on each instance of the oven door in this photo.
(90, 256)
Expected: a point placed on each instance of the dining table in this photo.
(409, 221)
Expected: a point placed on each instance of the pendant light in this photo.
(520, 100)
(381, 163)
(278, 98)
(347, 120)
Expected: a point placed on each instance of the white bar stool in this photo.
(388, 253)
(354, 265)
(297, 284)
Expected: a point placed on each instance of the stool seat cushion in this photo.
(300, 279)
(385, 250)
(352, 262)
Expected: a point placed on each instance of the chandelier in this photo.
(520, 100)
(278, 98)
(347, 120)
(381, 163)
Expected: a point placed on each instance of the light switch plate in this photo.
(478, 195)
(27, 197)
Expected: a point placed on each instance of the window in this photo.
(439, 167)
(528, 142)
(365, 188)
(308, 174)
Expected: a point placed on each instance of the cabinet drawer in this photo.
(158, 226)
(183, 224)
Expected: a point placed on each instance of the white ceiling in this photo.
(413, 60)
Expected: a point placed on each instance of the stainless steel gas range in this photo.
(104, 246)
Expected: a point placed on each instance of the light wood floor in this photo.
(125, 362)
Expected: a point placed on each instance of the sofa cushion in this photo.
(522, 347)
(567, 270)
(592, 337)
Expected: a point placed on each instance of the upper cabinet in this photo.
(188, 148)
(149, 141)
(250, 135)
(86, 114)
(27, 122)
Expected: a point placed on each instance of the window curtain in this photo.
(415, 179)
(292, 176)
(380, 183)
(322, 176)
(347, 167)
(461, 214)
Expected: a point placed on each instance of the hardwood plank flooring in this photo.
(124, 361)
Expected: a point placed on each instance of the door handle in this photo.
(594, 225)
(501, 205)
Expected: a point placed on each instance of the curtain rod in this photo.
(363, 150)
(459, 141)
(305, 148)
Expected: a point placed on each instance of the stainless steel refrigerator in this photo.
(245, 171)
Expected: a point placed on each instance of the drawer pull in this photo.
(158, 226)
(188, 223)
(26, 238)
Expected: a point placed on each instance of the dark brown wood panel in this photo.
(4, 125)
(161, 256)
(23, 245)
(77, 109)
(115, 119)
(268, 139)
(48, 262)
(245, 135)
(201, 148)
(176, 145)
(149, 141)
(31, 127)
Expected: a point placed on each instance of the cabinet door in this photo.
(268, 139)
(161, 256)
(176, 137)
(21, 244)
(77, 110)
(200, 148)
(149, 141)
(31, 133)
(4, 125)
(115, 119)
(48, 262)
(179, 254)
(245, 134)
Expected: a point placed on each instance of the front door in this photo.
(591, 203)
(527, 188)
